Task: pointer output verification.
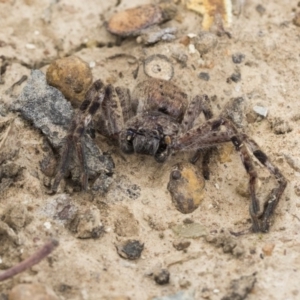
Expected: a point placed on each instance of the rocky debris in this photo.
(122, 189)
(280, 126)
(186, 186)
(227, 242)
(49, 111)
(240, 288)
(180, 56)
(132, 21)
(267, 249)
(234, 110)
(205, 42)
(181, 244)
(161, 276)
(235, 77)
(60, 208)
(46, 107)
(204, 76)
(260, 110)
(72, 76)
(155, 34)
(130, 249)
(238, 58)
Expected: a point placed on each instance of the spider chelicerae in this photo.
(158, 120)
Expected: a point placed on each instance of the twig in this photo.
(30, 261)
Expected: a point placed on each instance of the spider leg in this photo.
(94, 98)
(63, 163)
(210, 134)
(198, 105)
(276, 193)
(125, 102)
(110, 120)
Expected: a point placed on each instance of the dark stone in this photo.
(204, 76)
(237, 58)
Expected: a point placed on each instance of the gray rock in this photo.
(49, 111)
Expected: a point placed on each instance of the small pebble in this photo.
(131, 21)
(235, 77)
(192, 49)
(260, 110)
(186, 187)
(268, 249)
(181, 244)
(30, 46)
(162, 276)
(237, 58)
(240, 288)
(72, 76)
(260, 9)
(205, 42)
(204, 76)
(130, 249)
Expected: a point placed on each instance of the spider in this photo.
(157, 120)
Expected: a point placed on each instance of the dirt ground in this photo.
(137, 206)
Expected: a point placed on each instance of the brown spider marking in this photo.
(157, 120)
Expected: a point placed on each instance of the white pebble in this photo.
(92, 64)
(47, 225)
(192, 48)
(191, 35)
(30, 46)
(260, 110)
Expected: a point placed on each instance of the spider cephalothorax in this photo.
(158, 120)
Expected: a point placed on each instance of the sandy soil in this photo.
(138, 204)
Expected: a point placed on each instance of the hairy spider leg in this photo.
(277, 192)
(198, 105)
(79, 123)
(210, 134)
